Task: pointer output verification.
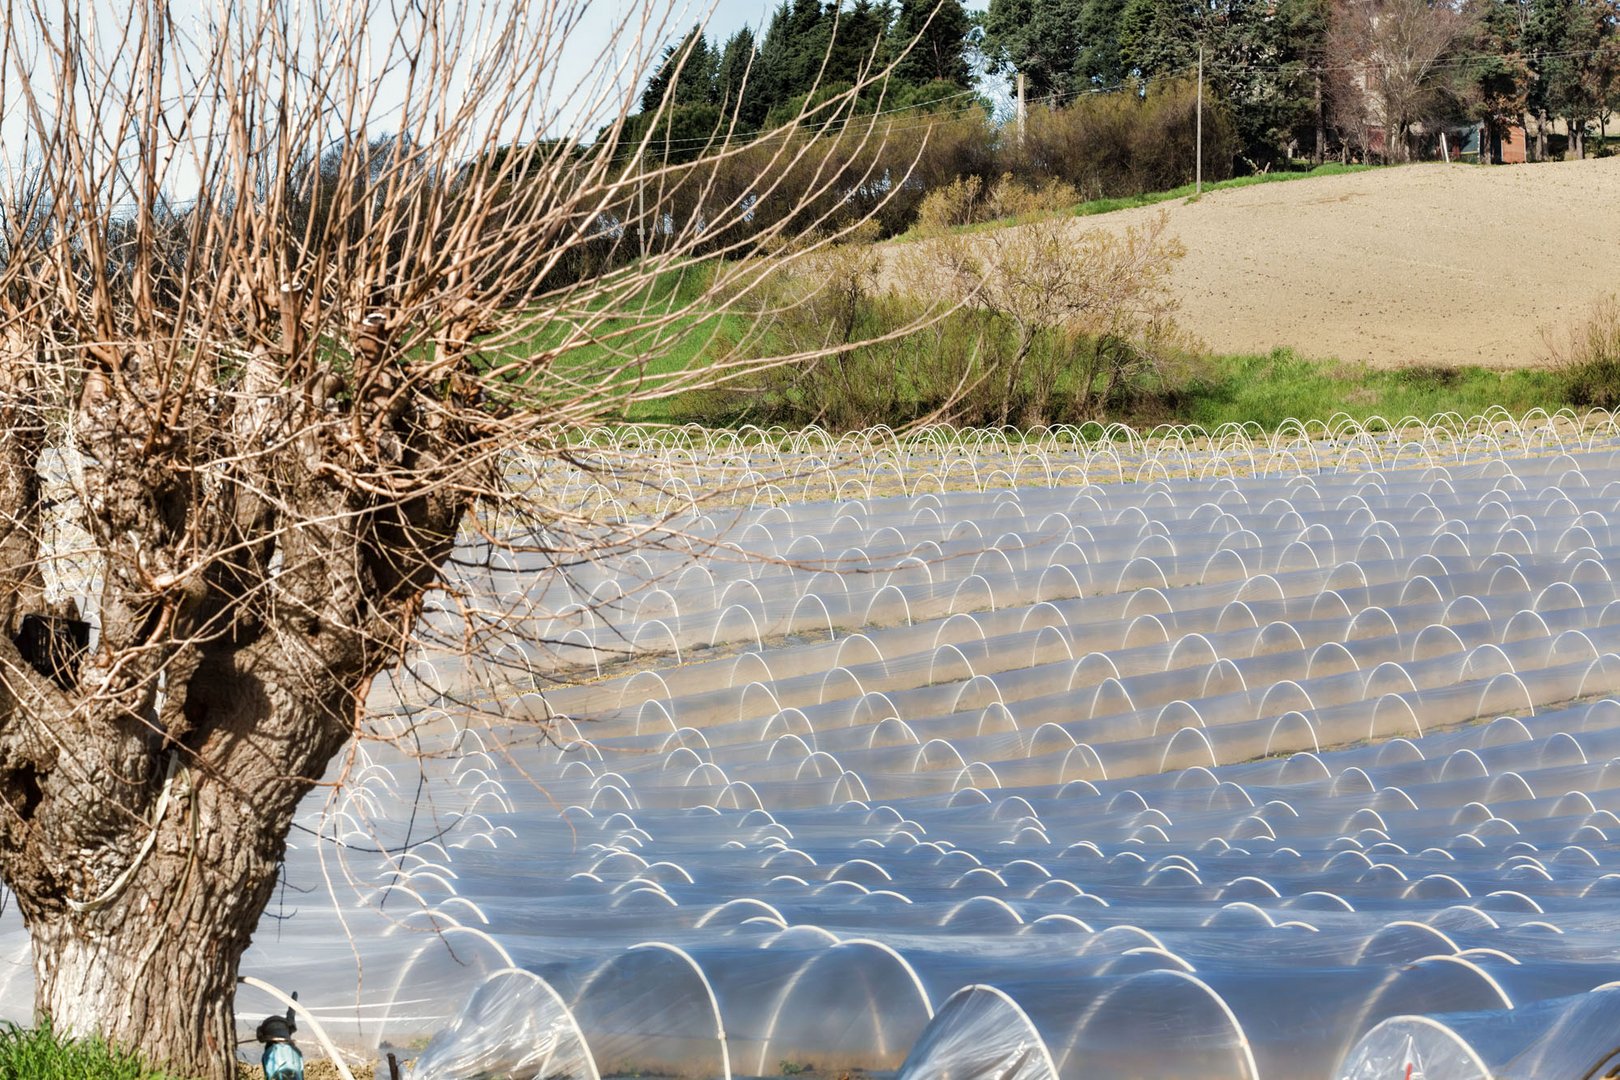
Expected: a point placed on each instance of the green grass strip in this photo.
(1185, 191)
(39, 1053)
(1271, 388)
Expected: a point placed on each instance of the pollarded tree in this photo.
(240, 437)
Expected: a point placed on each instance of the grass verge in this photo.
(1272, 388)
(1127, 202)
(41, 1054)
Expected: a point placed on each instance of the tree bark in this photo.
(148, 956)
(129, 972)
(141, 829)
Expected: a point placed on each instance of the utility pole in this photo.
(641, 198)
(1022, 109)
(1198, 175)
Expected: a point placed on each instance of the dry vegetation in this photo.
(1030, 325)
(1587, 354)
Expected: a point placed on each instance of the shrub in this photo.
(1090, 311)
(1039, 323)
(1107, 145)
(41, 1054)
(966, 201)
(1587, 357)
(1010, 198)
(952, 205)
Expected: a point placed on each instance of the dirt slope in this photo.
(1448, 264)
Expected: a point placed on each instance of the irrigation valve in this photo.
(282, 1060)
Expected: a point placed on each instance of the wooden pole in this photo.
(1198, 181)
(1022, 109)
(641, 204)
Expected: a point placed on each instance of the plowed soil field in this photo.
(1427, 264)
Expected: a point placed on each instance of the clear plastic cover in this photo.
(964, 756)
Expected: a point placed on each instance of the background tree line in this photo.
(1302, 77)
(1111, 88)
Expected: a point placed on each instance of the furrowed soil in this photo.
(1424, 264)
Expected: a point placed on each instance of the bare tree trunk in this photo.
(1541, 135)
(87, 984)
(156, 966)
(142, 830)
(1015, 369)
(148, 956)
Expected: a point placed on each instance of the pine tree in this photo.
(1037, 38)
(1575, 52)
(738, 81)
(1497, 77)
(940, 29)
(770, 74)
(809, 33)
(856, 43)
(690, 67)
(1099, 62)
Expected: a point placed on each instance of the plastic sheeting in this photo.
(516, 1027)
(1576, 1036)
(1200, 755)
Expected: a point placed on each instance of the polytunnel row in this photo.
(763, 575)
(1329, 751)
(1289, 757)
(776, 465)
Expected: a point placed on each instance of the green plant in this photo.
(39, 1053)
(1588, 356)
(1274, 387)
(795, 1068)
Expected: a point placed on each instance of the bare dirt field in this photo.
(1427, 264)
